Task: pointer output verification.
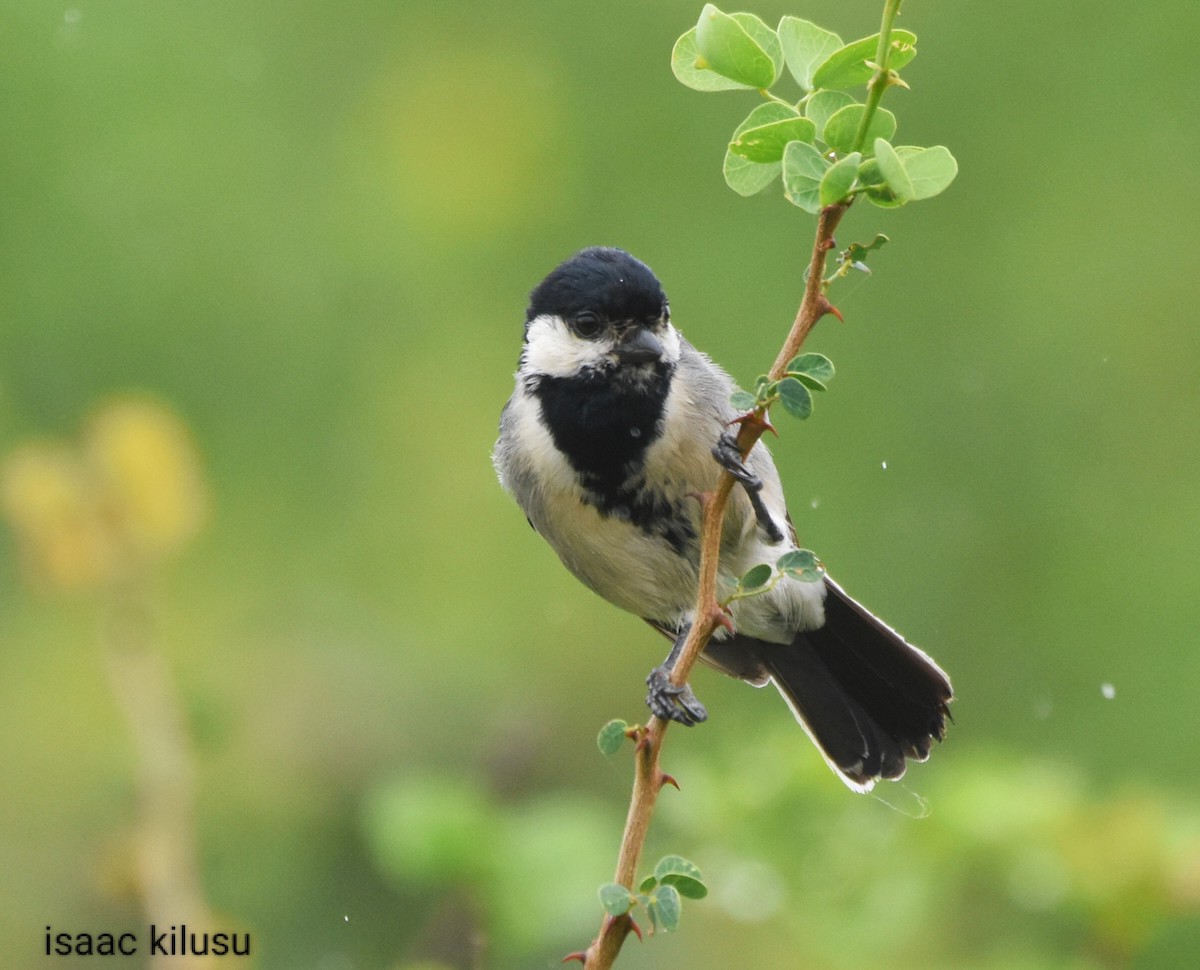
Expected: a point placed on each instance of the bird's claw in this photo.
(673, 702)
(729, 457)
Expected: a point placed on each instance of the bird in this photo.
(615, 424)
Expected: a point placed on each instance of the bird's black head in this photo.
(597, 286)
(600, 312)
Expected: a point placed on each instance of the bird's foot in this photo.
(729, 457)
(673, 702)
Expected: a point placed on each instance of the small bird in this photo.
(616, 423)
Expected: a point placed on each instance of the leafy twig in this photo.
(649, 777)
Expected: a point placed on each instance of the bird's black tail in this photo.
(868, 698)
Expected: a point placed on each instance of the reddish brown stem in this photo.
(648, 776)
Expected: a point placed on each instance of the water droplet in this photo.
(883, 465)
(1108, 691)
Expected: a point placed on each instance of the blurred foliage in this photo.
(309, 232)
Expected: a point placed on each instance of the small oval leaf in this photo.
(805, 46)
(611, 736)
(892, 168)
(767, 142)
(726, 47)
(757, 577)
(823, 105)
(665, 908)
(815, 365)
(849, 67)
(685, 66)
(930, 170)
(615, 899)
(795, 397)
(684, 875)
(803, 169)
(801, 564)
(676, 865)
(839, 179)
(841, 130)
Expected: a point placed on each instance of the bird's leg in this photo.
(729, 457)
(673, 702)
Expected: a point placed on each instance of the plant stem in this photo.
(882, 79)
(648, 775)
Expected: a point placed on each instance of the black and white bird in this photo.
(614, 426)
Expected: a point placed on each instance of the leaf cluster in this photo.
(660, 895)
(827, 146)
(801, 564)
(805, 373)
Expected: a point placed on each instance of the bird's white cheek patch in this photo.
(549, 464)
(551, 349)
(671, 346)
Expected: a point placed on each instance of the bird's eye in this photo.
(586, 323)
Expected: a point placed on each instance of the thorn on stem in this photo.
(668, 780)
(636, 929)
(579, 955)
(826, 307)
(719, 616)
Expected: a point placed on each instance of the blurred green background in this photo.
(308, 230)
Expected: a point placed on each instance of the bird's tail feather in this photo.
(869, 699)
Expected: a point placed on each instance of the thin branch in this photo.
(883, 76)
(648, 775)
(168, 869)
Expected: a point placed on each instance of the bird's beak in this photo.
(639, 346)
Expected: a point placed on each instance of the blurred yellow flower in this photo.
(52, 508)
(129, 496)
(147, 471)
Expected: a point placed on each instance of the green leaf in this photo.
(742, 400)
(765, 37)
(841, 130)
(685, 59)
(647, 884)
(930, 170)
(803, 169)
(757, 577)
(746, 177)
(891, 167)
(767, 142)
(823, 105)
(796, 399)
(814, 365)
(687, 886)
(805, 45)
(839, 179)
(858, 252)
(848, 67)
(615, 899)
(802, 564)
(725, 46)
(611, 737)
(665, 908)
(878, 191)
(676, 865)
(685, 876)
